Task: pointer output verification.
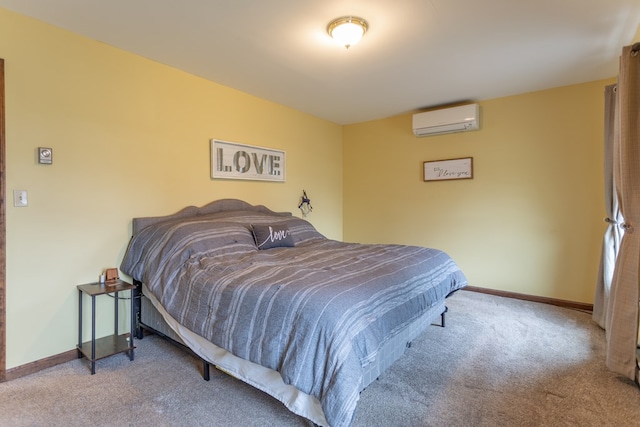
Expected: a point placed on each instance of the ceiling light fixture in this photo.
(347, 30)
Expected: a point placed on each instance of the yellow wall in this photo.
(530, 220)
(130, 138)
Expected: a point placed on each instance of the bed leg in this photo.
(136, 300)
(442, 316)
(205, 370)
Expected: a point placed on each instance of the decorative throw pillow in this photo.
(272, 236)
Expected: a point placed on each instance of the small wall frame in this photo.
(449, 169)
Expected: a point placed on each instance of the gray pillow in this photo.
(272, 236)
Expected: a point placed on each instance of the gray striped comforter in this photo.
(317, 313)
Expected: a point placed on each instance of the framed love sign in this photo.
(442, 170)
(231, 160)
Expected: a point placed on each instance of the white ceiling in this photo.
(416, 54)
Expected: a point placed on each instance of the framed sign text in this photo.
(230, 160)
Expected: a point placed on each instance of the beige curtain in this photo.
(613, 234)
(622, 317)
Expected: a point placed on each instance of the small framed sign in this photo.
(442, 170)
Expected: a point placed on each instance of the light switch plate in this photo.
(45, 155)
(20, 198)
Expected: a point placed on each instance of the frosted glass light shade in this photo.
(347, 30)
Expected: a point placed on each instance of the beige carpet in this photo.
(499, 362)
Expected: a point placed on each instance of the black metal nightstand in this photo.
(117, 343)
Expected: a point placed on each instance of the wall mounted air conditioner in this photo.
(447, 120)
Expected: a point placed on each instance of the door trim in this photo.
(3, 236)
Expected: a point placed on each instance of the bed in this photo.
(265, 297)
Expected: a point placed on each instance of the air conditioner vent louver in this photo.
(446, 120)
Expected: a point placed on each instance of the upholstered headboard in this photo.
(222, 205)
